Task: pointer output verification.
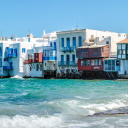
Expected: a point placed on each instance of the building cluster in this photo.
(79, 53)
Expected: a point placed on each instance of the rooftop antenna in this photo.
(29, 31)
(77, 25)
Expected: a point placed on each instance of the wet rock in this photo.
(121, 110)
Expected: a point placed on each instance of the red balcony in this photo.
(94, 51)
(38, 57)
(28, 61)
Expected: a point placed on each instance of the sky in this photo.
(19, 17)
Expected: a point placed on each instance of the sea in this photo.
(62, 103)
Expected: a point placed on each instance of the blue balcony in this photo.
(0, 53)
(10, 52)
(68, 49)
(67, 63)
(50, 58)
(0, 64)
(7, 67)
(10, 55)
(49, 47)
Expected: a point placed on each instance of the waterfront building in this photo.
(13, 53)
(122, 54)
(41, 61)
(68, 41)
(90, 60)
(112, 67)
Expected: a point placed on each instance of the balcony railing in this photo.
(68, 49)
(67, 63)
(11, 55)
(52, 68)
(28, 61)
(7, 67)
(50, 58)
(49, 48)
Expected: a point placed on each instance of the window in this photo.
(68, 58)
(68, 42)
(106, 62)
(100, 62)
(127, 49)
(45, 64)
(85, 50)
(74, 41)
(73, 57)
(119, 52)
(50, 53)
(88, 62)
(37, 67)
(82, 63)
(30, 68)
(80, 41)
(23, 50)
(102, 49)
(123, 52)
(28, 39)
(85, 62)
(96, 62)
(62, 58)
(62, 42)
(0, 50)
(92, 62)
(40, 67)
(117, 63)
(46, 53)
(107, 42)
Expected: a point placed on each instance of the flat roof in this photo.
(93, 46)
(111, 59)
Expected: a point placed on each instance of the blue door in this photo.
(74, 41)
(73, 58)
(80, 41)
(68, 42)
(62, 42)
(10, 65)
(62, 59)
(67, 59)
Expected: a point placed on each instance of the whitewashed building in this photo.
(122, 54)
(40, 60)
(68, 41)
(13, 53)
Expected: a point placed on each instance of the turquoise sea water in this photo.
(39, 103)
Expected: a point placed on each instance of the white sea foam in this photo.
(104, 106)
(80, 97)
(17, 76)
(33, 121)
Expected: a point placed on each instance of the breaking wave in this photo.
(32, 121)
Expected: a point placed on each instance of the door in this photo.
(68, 42)
(67, 59)
(62, 59)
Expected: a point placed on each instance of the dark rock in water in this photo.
(121, 110)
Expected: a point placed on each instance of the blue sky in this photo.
(18, 16)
